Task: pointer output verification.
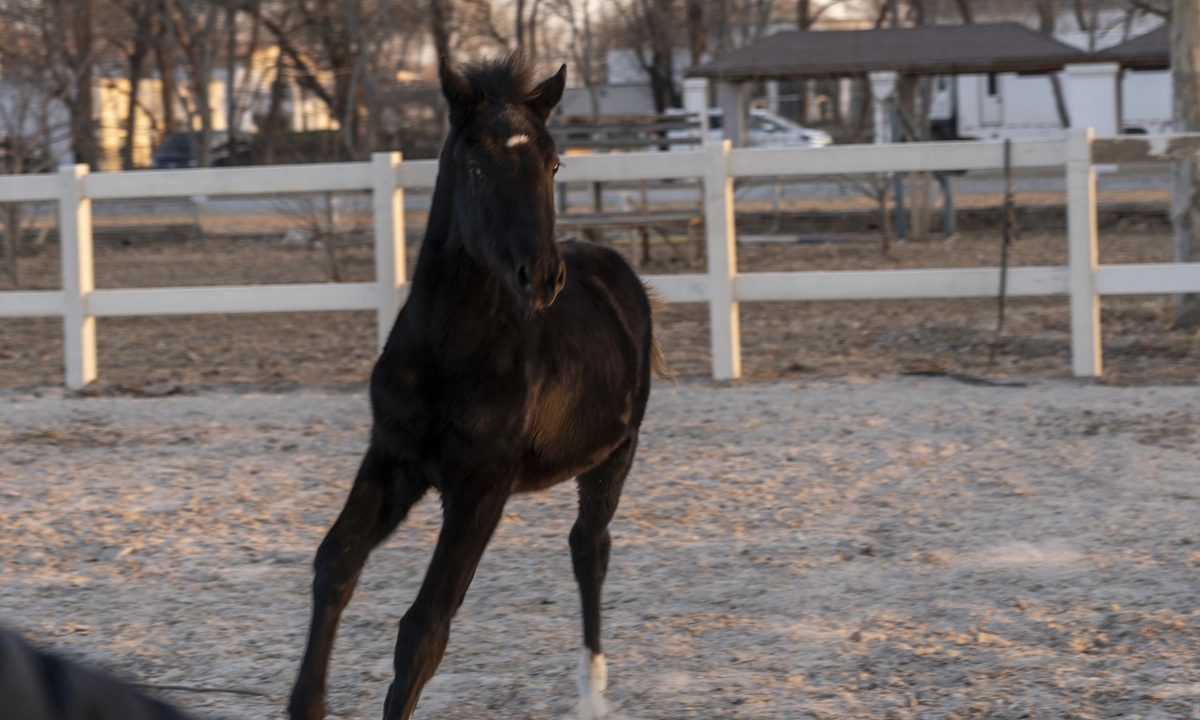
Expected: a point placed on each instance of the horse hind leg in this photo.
(379, 501)
(599, 494)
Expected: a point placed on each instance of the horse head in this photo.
(503, 162)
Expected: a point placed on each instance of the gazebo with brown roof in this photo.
(928, 50)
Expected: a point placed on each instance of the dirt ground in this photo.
(794, 339)
(897, 548)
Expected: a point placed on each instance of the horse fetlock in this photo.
(305, 704)
(592, 681)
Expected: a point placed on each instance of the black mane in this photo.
(504, 79)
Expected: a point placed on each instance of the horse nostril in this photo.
(523, 277)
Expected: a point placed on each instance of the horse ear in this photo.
(543, 99)
(459, 94)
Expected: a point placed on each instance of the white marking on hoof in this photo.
(516, 140)
(593, 679)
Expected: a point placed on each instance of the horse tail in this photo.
(658, 361)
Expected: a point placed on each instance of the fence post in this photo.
(78, 278)
(387, 198)
(722, 262)
(1086, 360)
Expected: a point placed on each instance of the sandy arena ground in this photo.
(900, 548)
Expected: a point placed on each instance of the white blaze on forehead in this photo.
(519, 139)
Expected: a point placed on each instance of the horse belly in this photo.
(568, 439)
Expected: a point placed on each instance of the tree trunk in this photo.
(804, 21)
(230, 69)
(83, 126)
(695, 30)
(520, 24)
(137, 62)
(274, 120)
(662, 82)
(166, 71)
(1185, 199)
(863, 129)
(966, 11)
(532, 25)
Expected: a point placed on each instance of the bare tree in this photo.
(807, 16)
(1152, 7)
(741, 24)
(31, 121)
(195, 27)
(527, 25)
(318, 223)
(68, 45)
(577, 14)
(165, 60)
(135, 38)
(1047, 18)
(342, 50)
(1185, 200)
(652, 30)
(697, 30)
(809, 12)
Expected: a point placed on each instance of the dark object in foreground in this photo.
(515, 364)
(38, 686)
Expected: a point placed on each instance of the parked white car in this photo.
(764, 129)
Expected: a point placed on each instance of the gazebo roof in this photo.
(1151, 51)
(929, 50)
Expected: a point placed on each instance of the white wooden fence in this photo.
(722, 287)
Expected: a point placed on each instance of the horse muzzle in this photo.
(539, 287)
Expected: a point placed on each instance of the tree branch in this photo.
(306, 78)
(1148, 7)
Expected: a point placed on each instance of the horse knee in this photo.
(590, 544)
(334, 572)
(421, 635)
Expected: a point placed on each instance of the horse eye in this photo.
(476, 173)
(555, 169)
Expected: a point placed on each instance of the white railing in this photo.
(722, 287)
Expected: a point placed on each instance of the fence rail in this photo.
(722, 287)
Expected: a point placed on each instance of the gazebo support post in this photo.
(731, 98)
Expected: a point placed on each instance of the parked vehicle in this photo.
(765, 129)
(177, 149)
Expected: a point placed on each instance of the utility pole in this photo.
(1185, 198)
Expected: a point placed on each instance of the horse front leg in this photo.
(599, 493)
(468, 523)
(378, 502)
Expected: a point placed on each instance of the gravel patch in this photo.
(899, 548)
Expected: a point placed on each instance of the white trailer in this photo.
(1008, 105)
